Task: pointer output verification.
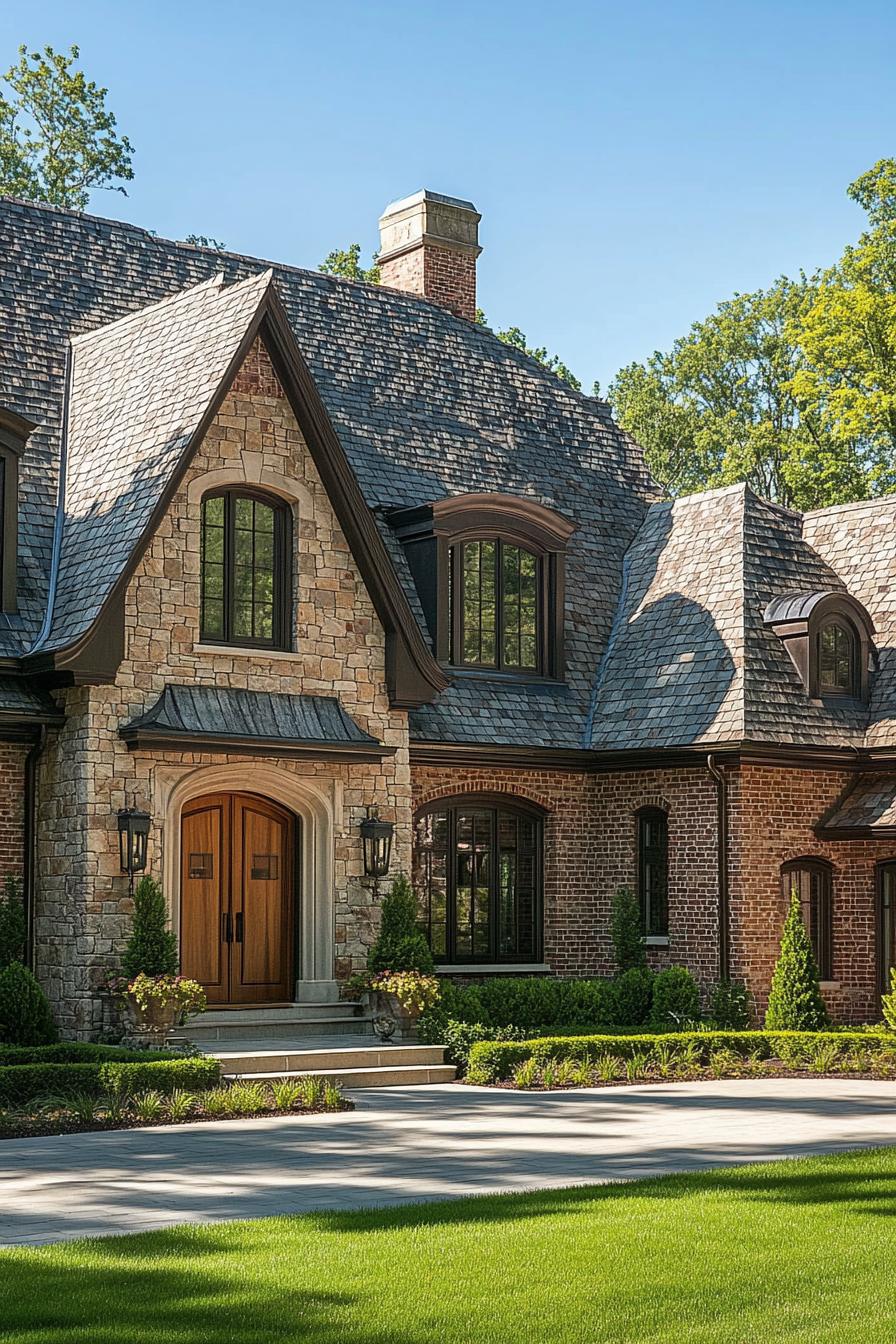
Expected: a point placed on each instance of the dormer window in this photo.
(14, 432)
(489, 571)
(495, 606)
(836, 659)
(829, 638)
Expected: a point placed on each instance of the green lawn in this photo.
(797, 1251)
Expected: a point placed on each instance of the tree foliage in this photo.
(513, 336)
(58, 140)
(625, 931)
(346, 263)
(12, 922)
(792, 388)
(795, 1002)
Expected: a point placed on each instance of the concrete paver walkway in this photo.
(422, 1143)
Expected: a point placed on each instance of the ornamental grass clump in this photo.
(525, 1075)
(795, 1002)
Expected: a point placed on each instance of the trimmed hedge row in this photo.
(21, 1083)
(495, 1061)
(80, 1052)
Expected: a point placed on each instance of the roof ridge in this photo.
(874, 502)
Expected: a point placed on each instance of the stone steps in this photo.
(293, 1020)
(371, 1066)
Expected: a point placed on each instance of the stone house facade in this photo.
(286, 551)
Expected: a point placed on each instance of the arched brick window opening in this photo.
(478, 874)
(812, 880)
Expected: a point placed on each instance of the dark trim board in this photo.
(144, 739)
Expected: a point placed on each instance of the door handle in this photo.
(226, 933)
(239, 927)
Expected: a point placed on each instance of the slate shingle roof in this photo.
(667, 644)
(870, 804)
(211, 711)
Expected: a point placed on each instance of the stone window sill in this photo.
(503, 968)
(829, 984)
(241, 651)
(656, 940)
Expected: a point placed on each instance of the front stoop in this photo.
(365, 1066)
(332, 1040)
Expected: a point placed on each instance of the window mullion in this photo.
(499, 604)
(229, 549)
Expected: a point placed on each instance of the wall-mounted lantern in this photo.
(376, 837)
(133, 829)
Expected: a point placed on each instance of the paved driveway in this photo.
(421, 1143)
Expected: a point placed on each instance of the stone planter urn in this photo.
(151, 1023)
(391, 1020)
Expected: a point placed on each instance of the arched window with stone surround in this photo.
(245, 578)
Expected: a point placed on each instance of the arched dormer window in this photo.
(829, 638)
(245, 583)
(14, 432)
(836, 657)
(489, 571)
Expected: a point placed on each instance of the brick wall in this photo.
(591, 850)
(773, 812)
(12, 808)
(442, 274)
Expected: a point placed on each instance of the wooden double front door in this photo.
(237, 910)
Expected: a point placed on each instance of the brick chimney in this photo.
(429, 245)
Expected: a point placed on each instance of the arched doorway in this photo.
(237, 897)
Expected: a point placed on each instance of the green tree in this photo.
(795, 1002)
(513, 336)
(346, 263)
(848, 336)
(152, 947)
(725, 405)
(203, 240)
(57, 137)
(400, 946)
(625, 931)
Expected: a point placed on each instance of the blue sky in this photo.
(634, 163)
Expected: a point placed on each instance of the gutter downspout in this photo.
(718, 774)
(29, 867)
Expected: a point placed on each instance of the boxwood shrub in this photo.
(495, 1061)
(80, 1052)
(531, 1003)
(21, 1083)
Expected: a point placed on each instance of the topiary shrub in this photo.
(729, 1005)
(625, 930)
(12, 922)
(400, 946)
(633, 995)
(676, 998)
(795, 1002)
(25, 1016)
(152, 946)
(888, 1001)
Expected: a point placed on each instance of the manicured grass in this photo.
(795, 1251)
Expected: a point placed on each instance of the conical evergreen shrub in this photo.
(25, 1016)
(12, 922)
(152, 947)
(625, 930)
(795, 1002)
(400, 945)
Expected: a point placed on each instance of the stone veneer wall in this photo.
(12, 808)
(87, 774)
(773, 812)
(591, 850)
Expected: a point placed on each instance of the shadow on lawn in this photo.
(780, 1182)
(130, 1290)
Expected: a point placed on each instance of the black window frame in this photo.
(494, 804)
(281, 567)
(816, 885)
(652, 857)
(885, 923)
(456, 606)
(851, 689)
